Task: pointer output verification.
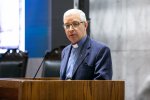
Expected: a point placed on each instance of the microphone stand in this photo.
(46, 55)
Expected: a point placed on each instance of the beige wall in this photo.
(124, 25)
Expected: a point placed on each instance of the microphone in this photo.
(45, 56)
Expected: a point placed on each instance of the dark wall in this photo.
(84, 6)
(57, 33)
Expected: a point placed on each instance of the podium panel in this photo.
(48, 89)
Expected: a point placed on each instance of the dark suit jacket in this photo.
(94, 62)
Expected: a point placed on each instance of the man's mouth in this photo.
(73, 34)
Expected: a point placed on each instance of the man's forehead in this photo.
(72, 17)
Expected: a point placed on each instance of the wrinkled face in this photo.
(75, 29)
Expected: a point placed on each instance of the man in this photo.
(84, 58)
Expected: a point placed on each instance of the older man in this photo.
(84, 58)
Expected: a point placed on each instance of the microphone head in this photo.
(47, 53)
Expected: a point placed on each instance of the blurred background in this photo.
(124, 25)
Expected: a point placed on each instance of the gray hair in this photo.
(75, 11)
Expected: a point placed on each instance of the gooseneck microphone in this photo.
(45, 56)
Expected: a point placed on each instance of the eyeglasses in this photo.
(74, 24)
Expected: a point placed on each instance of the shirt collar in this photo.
(80, 43)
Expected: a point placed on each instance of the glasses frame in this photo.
(74, 24)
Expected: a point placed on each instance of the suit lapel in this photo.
(82, 55)
(65, 59)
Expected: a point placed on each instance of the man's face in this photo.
(75, 29)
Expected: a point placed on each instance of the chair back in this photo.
(51, 65)
(13, 63)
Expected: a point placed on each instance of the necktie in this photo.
(71, 62)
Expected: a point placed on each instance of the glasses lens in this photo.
(75, 24)
(67, 26)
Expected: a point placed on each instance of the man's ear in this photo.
(86, 24)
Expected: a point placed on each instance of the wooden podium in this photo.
(50, 89)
